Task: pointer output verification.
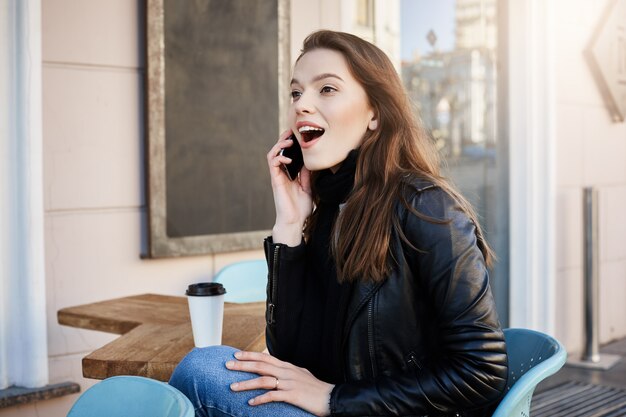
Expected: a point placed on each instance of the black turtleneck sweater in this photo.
(320, 323)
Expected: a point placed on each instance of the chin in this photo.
(311, 166)
(318, 164)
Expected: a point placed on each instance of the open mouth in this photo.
(310, 133)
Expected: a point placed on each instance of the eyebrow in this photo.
(319, 77)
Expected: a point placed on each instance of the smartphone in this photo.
(297, 162)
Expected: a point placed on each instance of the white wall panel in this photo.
(94, 32)
(569, 307)
(613, 224)
(93, 135)
(571, 68)
(569, 145)
(591, 151)
(569, 228)
(612, 305)
(604, 148)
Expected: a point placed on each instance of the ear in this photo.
(373, 123)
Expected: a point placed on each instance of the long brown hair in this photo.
(397, 149)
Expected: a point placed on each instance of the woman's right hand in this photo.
(293, 199)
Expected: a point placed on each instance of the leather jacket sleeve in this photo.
(284, 301)
(469, 369)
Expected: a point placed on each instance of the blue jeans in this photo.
(203, 377)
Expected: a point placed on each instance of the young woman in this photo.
(378, 296)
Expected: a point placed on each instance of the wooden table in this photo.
(156, 333)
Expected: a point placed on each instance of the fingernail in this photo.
(230, 364)
(237, 355)
(234, 385)
(251, 401)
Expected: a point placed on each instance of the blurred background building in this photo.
(502, 86)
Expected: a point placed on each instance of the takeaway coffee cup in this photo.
(206, 308)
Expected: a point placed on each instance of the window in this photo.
(449, 57)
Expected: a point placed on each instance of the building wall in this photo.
(95, 206)
(590, 151)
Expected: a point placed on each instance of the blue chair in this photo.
(244, 281)
(533, 356)
(132, 396)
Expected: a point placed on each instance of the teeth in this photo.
(309, 129)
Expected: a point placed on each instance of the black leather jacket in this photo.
(427, 340)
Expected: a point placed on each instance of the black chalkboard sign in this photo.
(216, 89)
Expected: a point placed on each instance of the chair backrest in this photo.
(132, 396)
(533, 356)
(244, 281)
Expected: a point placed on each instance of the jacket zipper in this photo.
(274, 279)
(413, 361)
(370, 334)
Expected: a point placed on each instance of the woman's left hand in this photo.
(286, 382)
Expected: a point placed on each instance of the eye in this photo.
(295, 94)
(328, 89)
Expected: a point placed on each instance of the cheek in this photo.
(353, 116)
(326, 153)
(318, 161)
(291, 115)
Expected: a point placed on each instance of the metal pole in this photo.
(592, 352)
(591, 358)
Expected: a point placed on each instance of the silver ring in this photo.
(276, 386)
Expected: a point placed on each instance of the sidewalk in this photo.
(614, 377)
(583, 392)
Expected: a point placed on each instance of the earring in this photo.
(373, 124)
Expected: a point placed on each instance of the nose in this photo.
(304, 104)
